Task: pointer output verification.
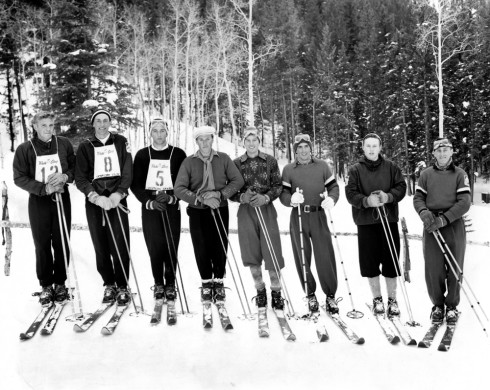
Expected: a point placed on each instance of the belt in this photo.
(309, 208)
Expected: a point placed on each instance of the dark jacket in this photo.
(368, 176)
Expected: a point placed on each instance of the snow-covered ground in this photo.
(185, 356)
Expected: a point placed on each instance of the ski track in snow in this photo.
(185, 356)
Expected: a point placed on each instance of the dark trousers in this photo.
(438, 275)
(208, 247)
(45, 228)
(106, 250)
(316, 234)
(162, 242)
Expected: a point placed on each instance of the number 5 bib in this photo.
(158, 177)
(106, 162)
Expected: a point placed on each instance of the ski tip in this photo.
(423, 345)
(171, 322)
(291, 337)
(154, 321)
(24, 337)
(263, 334)
(322, 338)
(395, 340)
(45, 332)
(228, 327)
(443, 348)
(77, 328)
(412, 342)
(105, 331)
(360, 341)
(208, 325)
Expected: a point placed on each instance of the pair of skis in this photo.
(207, 315)
(391, 325)
(156, 317)
(50, 324)
(263, 324)
(447, 337)
(111, 325)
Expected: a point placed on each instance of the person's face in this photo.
(251, 144)
(101, 125)
(159, 134)
(371, 148)
(443, 155)
(303, 153)
(205, 143)
(44, 128)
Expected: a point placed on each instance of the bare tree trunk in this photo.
(273, 120)
(10, 109)
(19, 97)
(293, 129)
(285, 118)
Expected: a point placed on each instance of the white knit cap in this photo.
(203, 130)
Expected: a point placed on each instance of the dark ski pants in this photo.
(208, 249)
(374, 250)
(106, 255)
(438, 275)
(163, 252)
(253, 244)
(317, 234)
(46, 233)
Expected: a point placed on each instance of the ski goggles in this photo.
(301, 137)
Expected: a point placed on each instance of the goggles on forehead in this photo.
(302, 137)
(372, 135)
(156, 121)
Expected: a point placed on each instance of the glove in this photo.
(49, 188)
(258, 200)
(56, 179)
(115, 198)
(427, 217)
(383, 197)
(159, 206)
(92, 197)
(104, 202)
(328, 203)
(437, 224)
(297, 198)
(247, 196)
(373, 200)
(211, 194)
(163, 197)
(211, 202)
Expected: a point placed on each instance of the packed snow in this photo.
(185, 356)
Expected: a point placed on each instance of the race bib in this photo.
(158, 177)
(106, 162)
(46, 166)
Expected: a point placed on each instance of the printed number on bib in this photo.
(106, 162)
(158, 177)
(46, 166)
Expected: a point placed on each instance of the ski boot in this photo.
(331, 304)
(378, 306)
(46, 296)
(158, 291)
(437, 314)
(206, 291)
(277, 300)
(61, 293)
(109, 293)
(393, 309)
(261, 298)
(219, 292)
(123, 297)
(170, 292)
(452, 314)
(312, 303)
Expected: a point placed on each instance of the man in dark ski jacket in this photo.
(441, 199)
(43, 166)
(103, 173)
(376, 182)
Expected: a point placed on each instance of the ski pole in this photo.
(119, 256)
(396, 262)
(353, 313)
(459, 280)
(72, 262)
(463, 278)
(130, 259)
(174, 257)
(303, 263)
(275, 261)
(250, 316)
(65, 256)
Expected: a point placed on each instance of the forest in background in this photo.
(335, 69)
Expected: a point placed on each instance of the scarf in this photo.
(207, 177)
(445, 167)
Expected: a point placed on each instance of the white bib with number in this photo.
(106, 162)
(158, 177)
(46, 166)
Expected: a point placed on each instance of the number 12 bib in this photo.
(106, 162)
(158, 177)
(47, 165)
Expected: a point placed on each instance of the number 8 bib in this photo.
(106, 162)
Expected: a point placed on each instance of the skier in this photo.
(262, 186)
(375, 182)
(442, 198)
(103, 173)
(155, 169)
(205, 181)
(43, 166)
(313, 176)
